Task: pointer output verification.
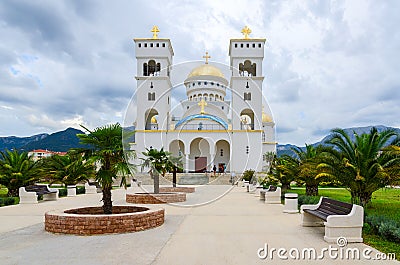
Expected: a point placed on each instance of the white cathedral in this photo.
(232, 133)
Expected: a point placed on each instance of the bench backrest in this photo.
(330, 206)
(37, 188)
(95, 183)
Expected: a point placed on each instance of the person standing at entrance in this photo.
(214, 169)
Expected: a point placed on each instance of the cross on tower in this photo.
(246, 32)
(202, 104)
(207, 57)
(155, 31)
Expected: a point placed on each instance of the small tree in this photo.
(17, 170)
(106, 152)
(69, 169)
(175, 162)
(285, 169)
(308, 161)
(158, 161)
(269, 158)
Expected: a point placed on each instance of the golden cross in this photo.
(155, 31)
(246, 32)
(202, 104)
(207, 57)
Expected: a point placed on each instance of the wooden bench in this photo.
(29, 194)
(339, 218)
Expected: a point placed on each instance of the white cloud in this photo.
(327, 63)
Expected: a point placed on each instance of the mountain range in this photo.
(287, 148)
(62, 141)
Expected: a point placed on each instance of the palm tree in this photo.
(68, 169)
(175, 163)
(158, 162)
(269, 158)
(361, 165)
(17, 170)
(285, 169)
(308, 161)
(106, 151)
(394, 167)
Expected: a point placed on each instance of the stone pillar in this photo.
(186, 163)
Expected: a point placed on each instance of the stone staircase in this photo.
(187, 179)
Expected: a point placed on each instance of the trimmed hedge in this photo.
(5, 201)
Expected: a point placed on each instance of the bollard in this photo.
(291, 203)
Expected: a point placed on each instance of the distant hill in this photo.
(286, 148)
(59, 142)
(13, 142)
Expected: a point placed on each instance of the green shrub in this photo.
(4, 201)
(382, 226)
(304, 199)
(248, 175)
(9, 201)
(80, 189)
(62, 192)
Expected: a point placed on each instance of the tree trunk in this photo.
(285, 186)
(364, 198)
(156, 182)
(174, 177)
(107, 202)
(13, 192)
(311, 190)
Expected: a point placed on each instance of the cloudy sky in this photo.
(327, 63)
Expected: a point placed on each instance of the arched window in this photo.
(263, 136)
(222, 152)
(247, 150)
(247, 68)
(151, 68)
(247, 96)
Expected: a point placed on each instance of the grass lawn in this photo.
(384, 202)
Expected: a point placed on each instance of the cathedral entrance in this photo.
(199, 155)
(200, 164)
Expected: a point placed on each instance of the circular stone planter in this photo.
(153, 198)
(178, 189)
(92, 221)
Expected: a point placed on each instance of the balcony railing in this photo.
(201, 127)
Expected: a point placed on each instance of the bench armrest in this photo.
(311, 206)
(22, 191)
(354, 218)
(53, 189)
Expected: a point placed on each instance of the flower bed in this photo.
(91, 220)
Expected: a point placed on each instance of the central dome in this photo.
(206, 69)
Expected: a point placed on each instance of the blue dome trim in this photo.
(202, 116)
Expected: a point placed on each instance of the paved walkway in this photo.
(230, 230)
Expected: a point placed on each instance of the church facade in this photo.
(231, 133)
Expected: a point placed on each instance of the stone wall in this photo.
(178, 189)
(152, 198)
(92, 224)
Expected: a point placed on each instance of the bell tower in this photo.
(153, 95)
(246, 58)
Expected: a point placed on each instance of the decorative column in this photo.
(186, 163)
